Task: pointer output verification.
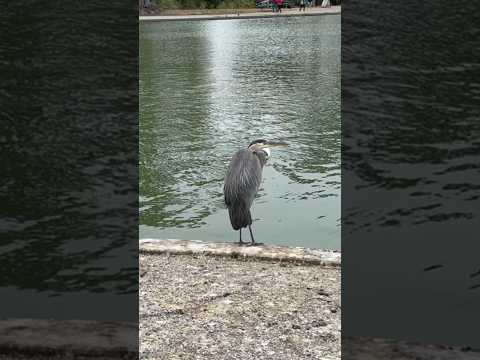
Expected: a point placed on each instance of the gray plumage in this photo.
(241, 184)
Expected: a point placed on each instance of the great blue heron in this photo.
(243, 180)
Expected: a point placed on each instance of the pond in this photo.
(208, 88)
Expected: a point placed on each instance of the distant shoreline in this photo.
(230, 14)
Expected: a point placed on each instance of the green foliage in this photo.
(236, 4)
(204, 4)
(167, 4)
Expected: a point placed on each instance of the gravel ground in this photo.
(206, 307)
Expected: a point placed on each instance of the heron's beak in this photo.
(274, 144)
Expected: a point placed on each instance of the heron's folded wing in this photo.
(243, 178)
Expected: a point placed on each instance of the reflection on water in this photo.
(209, 88)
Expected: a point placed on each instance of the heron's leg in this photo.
(240, 231)
(251, 234)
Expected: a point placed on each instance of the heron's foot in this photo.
(255, 244)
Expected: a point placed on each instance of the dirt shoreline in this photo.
(197, 306)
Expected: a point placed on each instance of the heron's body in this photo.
(243, 181)
(241, 185)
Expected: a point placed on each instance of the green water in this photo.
(208, 88)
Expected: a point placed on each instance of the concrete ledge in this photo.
(39, 339)
(378, 349)
(233, 250)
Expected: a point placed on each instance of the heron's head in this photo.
(265, 145)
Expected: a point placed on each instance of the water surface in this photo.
(207, 88)
(69, 155)
(411, 172)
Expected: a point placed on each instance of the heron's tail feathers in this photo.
(240, 216)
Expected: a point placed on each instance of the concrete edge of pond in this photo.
(380, 348)
(234, 250)
(254, 15)
(45, 338)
